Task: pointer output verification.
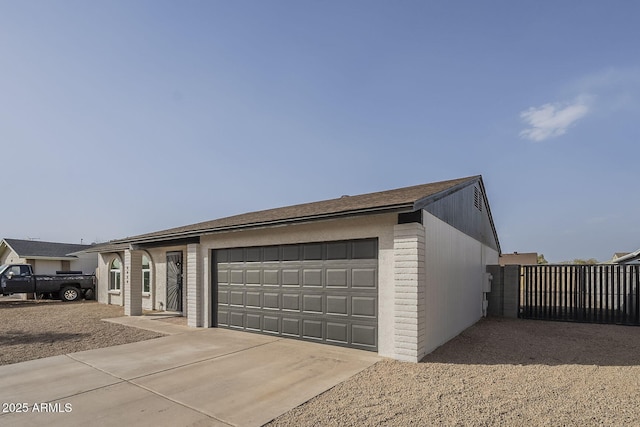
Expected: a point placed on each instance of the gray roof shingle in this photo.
(34, 248)
(401, 199)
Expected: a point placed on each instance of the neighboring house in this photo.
(399, 272)
(619, 255)
(517, 258)
(626, 257)
(48, 257)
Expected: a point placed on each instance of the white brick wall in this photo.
(132, 281)
(194, 286)
(409, 291)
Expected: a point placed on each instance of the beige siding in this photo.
(44, 266)
(10, 257)
(87, 263)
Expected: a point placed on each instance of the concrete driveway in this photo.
(203, 377)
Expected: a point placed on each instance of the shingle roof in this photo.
(38, 249)
(401, 199)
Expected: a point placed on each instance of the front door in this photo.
(174, 281)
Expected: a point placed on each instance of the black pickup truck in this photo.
(19, 278)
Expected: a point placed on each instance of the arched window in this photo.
(115, 275)
(146, 274)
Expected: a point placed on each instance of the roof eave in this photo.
(265, 224)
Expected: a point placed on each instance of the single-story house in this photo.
(398, 272)
(48, 257)
(626, 257)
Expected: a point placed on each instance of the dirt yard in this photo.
(32, 330)
(497, 373)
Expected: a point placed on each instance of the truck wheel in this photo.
(69, 293)
(89, 294)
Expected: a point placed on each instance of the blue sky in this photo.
(124, 117)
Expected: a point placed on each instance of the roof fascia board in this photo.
(425, 201)
(50, 258)
(174, 242)
(486, 203)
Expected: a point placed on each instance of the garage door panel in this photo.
(291, 277)
(337, 305)
(312, 278)
(223, 296)
(337, 332)
(363, 306)
(325, 292)
(236, 319)
(363, 335)
(254, 322)
(364, 249)
(337, 250)
(363, 278)
(253, 299)
(291, 302)
(312, 251)
(253, 255)
(271, 300)
(253, 277)
(312, 304)
(271, 278)
(291, 327)
(223, 317)
(223, 276)
(312, 329)
(337, 278)
(236, 298)
(271, 324)
(236, 277)
(290, 253)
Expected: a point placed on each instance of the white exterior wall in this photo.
(10, 257)
(380, 226)
(410, 304)
(156, 299)
(193, 282)
(87, 263)
(45, 266)
(455, 274)
(430, 276)
(132, 283)
(106, 296)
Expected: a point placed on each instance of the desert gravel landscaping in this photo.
(498, 372)
(36, 329)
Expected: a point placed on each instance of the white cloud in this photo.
(551, 120)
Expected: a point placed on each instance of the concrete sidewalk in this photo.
(201, 377)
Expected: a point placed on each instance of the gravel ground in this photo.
(498, 372)
(32, 330)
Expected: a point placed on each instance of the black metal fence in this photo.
(581, 293)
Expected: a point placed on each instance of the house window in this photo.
(115, 275)
(146, 275)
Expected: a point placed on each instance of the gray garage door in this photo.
(325, 292)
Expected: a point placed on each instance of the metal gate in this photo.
(174, 281)
(605, 293)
